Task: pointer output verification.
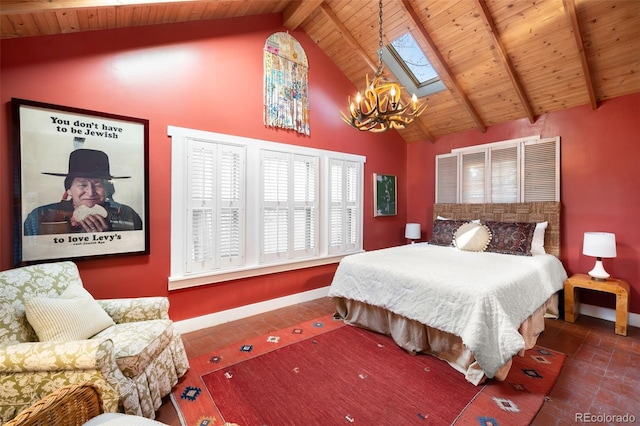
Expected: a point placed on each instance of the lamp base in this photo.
(598, 273)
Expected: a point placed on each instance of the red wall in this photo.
(207, 76)
(600, 182)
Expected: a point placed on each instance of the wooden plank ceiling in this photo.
(500, 60)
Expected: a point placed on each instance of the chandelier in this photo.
(380, 108)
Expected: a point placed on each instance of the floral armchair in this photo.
(135, 358)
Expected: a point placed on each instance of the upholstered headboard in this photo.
(510, 212)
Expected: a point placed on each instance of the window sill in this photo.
(180, 282)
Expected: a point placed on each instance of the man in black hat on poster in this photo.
(87, 204)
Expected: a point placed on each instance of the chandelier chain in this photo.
(380, 45)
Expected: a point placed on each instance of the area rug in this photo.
(323, 372)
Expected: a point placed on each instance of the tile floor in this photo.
(601, 375)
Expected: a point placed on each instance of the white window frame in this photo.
(550, 183)
(253, 264)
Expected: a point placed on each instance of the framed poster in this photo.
(384, 195)
(80, 183)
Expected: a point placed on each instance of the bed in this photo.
(474, 309)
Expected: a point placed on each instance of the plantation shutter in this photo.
(275, 205)
(214, 206)
(336, 203)
(305, 199)
(504, 175)
(473, 177)
(344, 206)
(351, 205)
(231, 178)
(243, 207)
(541, 170)
(447, 178)
(200, 206)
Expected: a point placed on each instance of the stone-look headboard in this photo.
(510, 212)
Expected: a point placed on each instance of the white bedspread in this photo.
(481, 297)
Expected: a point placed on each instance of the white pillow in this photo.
(75, 315)
(448, 218)
(472, 237)
(537, 244)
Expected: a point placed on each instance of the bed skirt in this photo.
(416, 337)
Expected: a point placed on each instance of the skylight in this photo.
(410, 65)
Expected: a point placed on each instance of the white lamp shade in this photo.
(412, 231)
(599, 244)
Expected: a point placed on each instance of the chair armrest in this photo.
(70, 404)
(29, 371)
(136, 309)
(56, 356)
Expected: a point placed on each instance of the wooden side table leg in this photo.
(622, 309)
(570, 303)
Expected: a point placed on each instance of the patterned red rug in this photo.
(322, 372)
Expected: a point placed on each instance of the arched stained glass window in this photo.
(286, 85)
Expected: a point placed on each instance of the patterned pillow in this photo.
(511, 237)
(443, 231)
(472, 237)
(75, 315)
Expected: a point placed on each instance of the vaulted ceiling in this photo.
(501, 60)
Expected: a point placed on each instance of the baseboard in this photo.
(607, 314)
(217, 318)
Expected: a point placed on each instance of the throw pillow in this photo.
(472, 237)
(75, 315)
(537, 245)
(443, 231)
(511, 237)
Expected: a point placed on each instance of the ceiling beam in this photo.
(570, 7)
(425, 130)
(441, 66)
(504, 58)
(346, 35)
(297, 11)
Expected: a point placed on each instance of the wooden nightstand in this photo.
(618, 287)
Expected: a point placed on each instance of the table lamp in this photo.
(412, 232)
(599, 245)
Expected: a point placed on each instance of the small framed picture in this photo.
(384, 195)
(81, 183)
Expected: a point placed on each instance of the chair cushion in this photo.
(136, 344)
(75, 315)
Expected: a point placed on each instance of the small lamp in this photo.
(599, 245)
(412, 232)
